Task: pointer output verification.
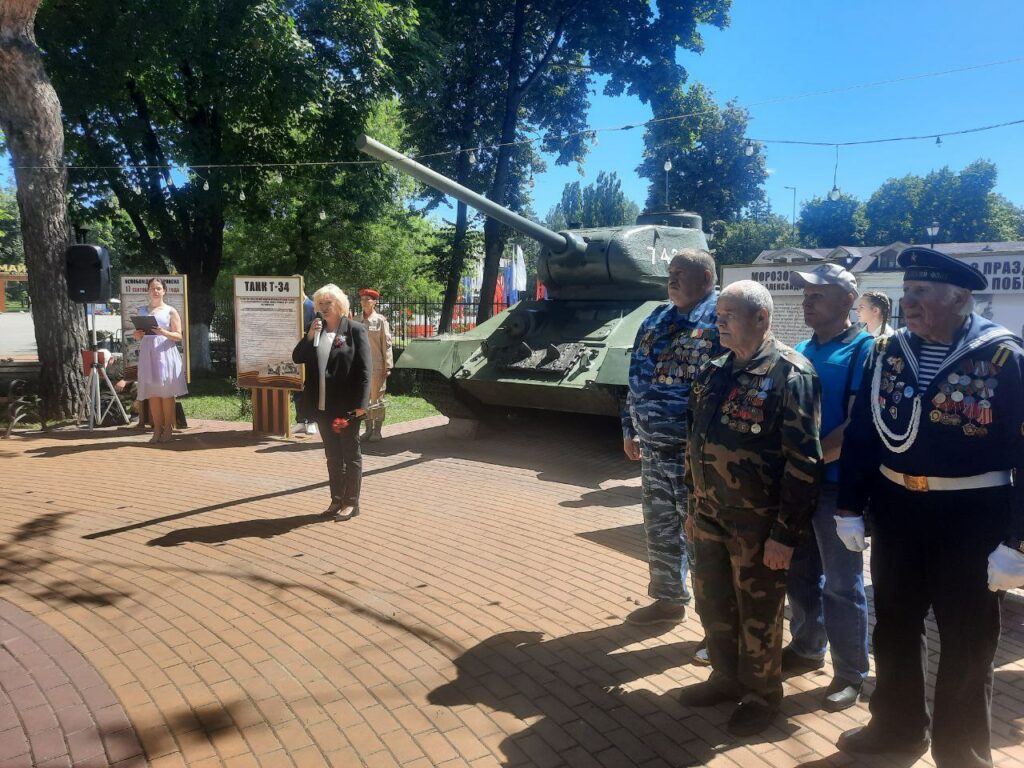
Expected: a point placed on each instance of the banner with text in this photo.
(268, 323)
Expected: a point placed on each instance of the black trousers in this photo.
(344, 459)
(930, 550)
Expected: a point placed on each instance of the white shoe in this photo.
(310, 428)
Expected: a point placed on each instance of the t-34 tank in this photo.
(569, 352)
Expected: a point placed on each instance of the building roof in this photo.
(862, 258)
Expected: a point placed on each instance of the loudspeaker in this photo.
(88, 274)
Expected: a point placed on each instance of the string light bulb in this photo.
(323, 215)
(206, 185)
(938, 141)
(749, 149)
(241, 196)
(834, 194)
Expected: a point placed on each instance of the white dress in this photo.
(161, 372)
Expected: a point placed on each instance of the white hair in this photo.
(336, 295)
(751, 293)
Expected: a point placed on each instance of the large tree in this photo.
(826, 223)
(558, 49)
(30, 116)
(186, 105)
(964, 204)
(715, 171)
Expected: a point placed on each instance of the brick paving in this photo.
(185, 605)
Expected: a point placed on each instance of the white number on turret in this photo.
(665, 255)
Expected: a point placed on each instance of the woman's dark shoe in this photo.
(346, 513)
(750, 717)
(871, 740)
(335, 508)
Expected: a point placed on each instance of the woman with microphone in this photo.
(336, 354)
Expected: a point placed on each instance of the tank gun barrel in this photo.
(556, 242)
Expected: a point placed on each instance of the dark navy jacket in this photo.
(970, 417)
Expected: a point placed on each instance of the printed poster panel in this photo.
(268, 323)
(1003, 301)
(788, 314)
(135, 300)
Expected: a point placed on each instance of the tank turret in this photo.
(569, 352)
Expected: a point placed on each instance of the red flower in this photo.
(339, 424)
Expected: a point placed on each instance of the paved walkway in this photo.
(185, 605)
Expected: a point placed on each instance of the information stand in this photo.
(268, 323)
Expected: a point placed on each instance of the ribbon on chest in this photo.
(744, 406)
(683, 354)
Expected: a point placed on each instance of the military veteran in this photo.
(671, 345)
(753, 469)
(936, 445)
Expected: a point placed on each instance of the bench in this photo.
(18, 399)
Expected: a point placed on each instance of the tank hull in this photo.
(578, 359)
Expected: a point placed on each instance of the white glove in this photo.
(851, 532)
(1005, 569)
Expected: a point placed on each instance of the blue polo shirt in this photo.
(832, 361)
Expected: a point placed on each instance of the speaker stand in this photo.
(97, 413)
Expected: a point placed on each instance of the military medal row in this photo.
(743, 410)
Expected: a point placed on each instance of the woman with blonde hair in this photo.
(873, 310)
(336, 354)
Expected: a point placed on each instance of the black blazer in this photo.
(348, 371)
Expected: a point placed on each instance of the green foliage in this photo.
(963, 203)
(827, 223)
(711, 173)
(12, 251)
(602, 204)
(740, 241)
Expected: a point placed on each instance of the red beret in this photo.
(369, 292)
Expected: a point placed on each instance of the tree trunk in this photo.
(451, 289)
(30, 116)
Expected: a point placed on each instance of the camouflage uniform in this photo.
(669, 349)
(379, 332)
(753, 468)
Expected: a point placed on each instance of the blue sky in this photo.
(780, 48)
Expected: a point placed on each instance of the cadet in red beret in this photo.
(380, 350)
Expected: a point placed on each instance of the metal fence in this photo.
(409, 319)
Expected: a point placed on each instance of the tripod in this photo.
(97, 412)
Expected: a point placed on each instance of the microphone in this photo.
(316, 339)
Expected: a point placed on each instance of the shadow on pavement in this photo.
(239, 502)
(216, 534)
(627, 539)
(197, 441)
(572, 690)
(559, 447)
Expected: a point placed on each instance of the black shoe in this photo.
(346, 513)
(840, 695)
(707, 694)
(336, 506)
(751, 717)
(794, 662)
(869, 740)
(659, 612)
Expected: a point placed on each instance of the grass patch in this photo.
(216, 397)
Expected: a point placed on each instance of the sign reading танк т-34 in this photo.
(268, 323)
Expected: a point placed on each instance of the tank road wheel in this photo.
(443, 395)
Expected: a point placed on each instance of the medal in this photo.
(908, 391)
(957, 396)
(893, 412)
(755, 428)
(935, 416)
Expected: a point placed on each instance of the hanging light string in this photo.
(592, 133)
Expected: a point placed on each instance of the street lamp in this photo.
(932, 231)
(793, 219)
(668, 167)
